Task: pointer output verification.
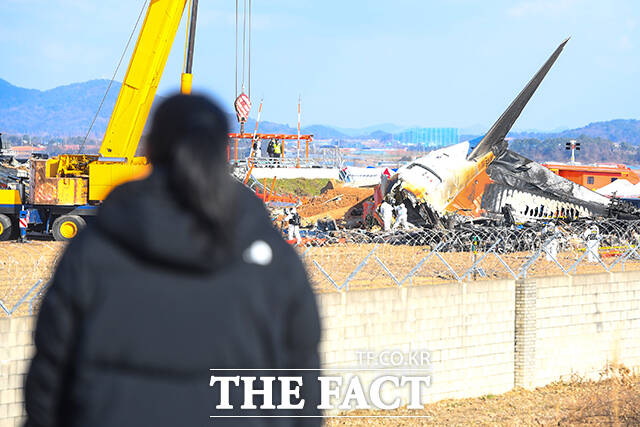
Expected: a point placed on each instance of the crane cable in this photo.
(236, 49)
(245, 79)
(124, 52)
(244, 39)
(186, 40)
(249, 49)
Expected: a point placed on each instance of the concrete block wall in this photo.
(584, 322)
(484, 337)
(467, 327)
(525, 333)
(16, 349)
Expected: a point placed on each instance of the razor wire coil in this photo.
(343, 260)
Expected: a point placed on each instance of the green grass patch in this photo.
(488, 397)
(299, 186)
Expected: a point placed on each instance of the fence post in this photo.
(525, 334)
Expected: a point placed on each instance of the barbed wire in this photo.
(25, 270)
(342, 260)
(357, 259)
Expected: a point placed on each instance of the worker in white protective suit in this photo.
(592, 239)
(550, 239)
(386, 212)
(401, 217)
(294, 225)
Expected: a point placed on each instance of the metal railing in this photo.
(289, 162)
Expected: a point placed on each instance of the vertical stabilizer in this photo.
(503, 125)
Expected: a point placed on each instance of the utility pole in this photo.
(573, 151)
(573, 146)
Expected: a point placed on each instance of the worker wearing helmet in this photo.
(271, 148)
(277, 148)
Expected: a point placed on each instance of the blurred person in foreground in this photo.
(182, 272)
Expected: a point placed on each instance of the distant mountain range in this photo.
(389, 128)
(63, 111)
(619, 130)
(69, 111)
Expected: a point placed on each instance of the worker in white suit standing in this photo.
(294, 225)
(401, 217)
(592, 238)
(550, 238)
(386, 212)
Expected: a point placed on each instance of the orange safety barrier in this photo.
(246, 178)
(273, 187)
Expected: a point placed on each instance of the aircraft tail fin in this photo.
(503, 125)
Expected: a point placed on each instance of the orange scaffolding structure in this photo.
(267, 136)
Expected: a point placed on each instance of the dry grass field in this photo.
(22, 265)
(614, 401)
(340, 261)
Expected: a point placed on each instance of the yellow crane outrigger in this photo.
(66, 188)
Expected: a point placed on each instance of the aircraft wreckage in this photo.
(491, 182)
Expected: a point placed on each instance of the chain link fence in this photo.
(344, 260)
(25, 270)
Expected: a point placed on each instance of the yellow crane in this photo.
(64, 190)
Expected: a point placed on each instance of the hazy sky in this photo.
(357, 63)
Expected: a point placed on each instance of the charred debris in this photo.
(490, 185)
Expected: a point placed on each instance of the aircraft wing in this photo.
(503, 125)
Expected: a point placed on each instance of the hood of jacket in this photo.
(146, 219)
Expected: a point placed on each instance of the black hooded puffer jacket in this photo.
(137, 315)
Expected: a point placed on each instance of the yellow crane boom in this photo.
(65, 189)
(143, 76)
(80, 179)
